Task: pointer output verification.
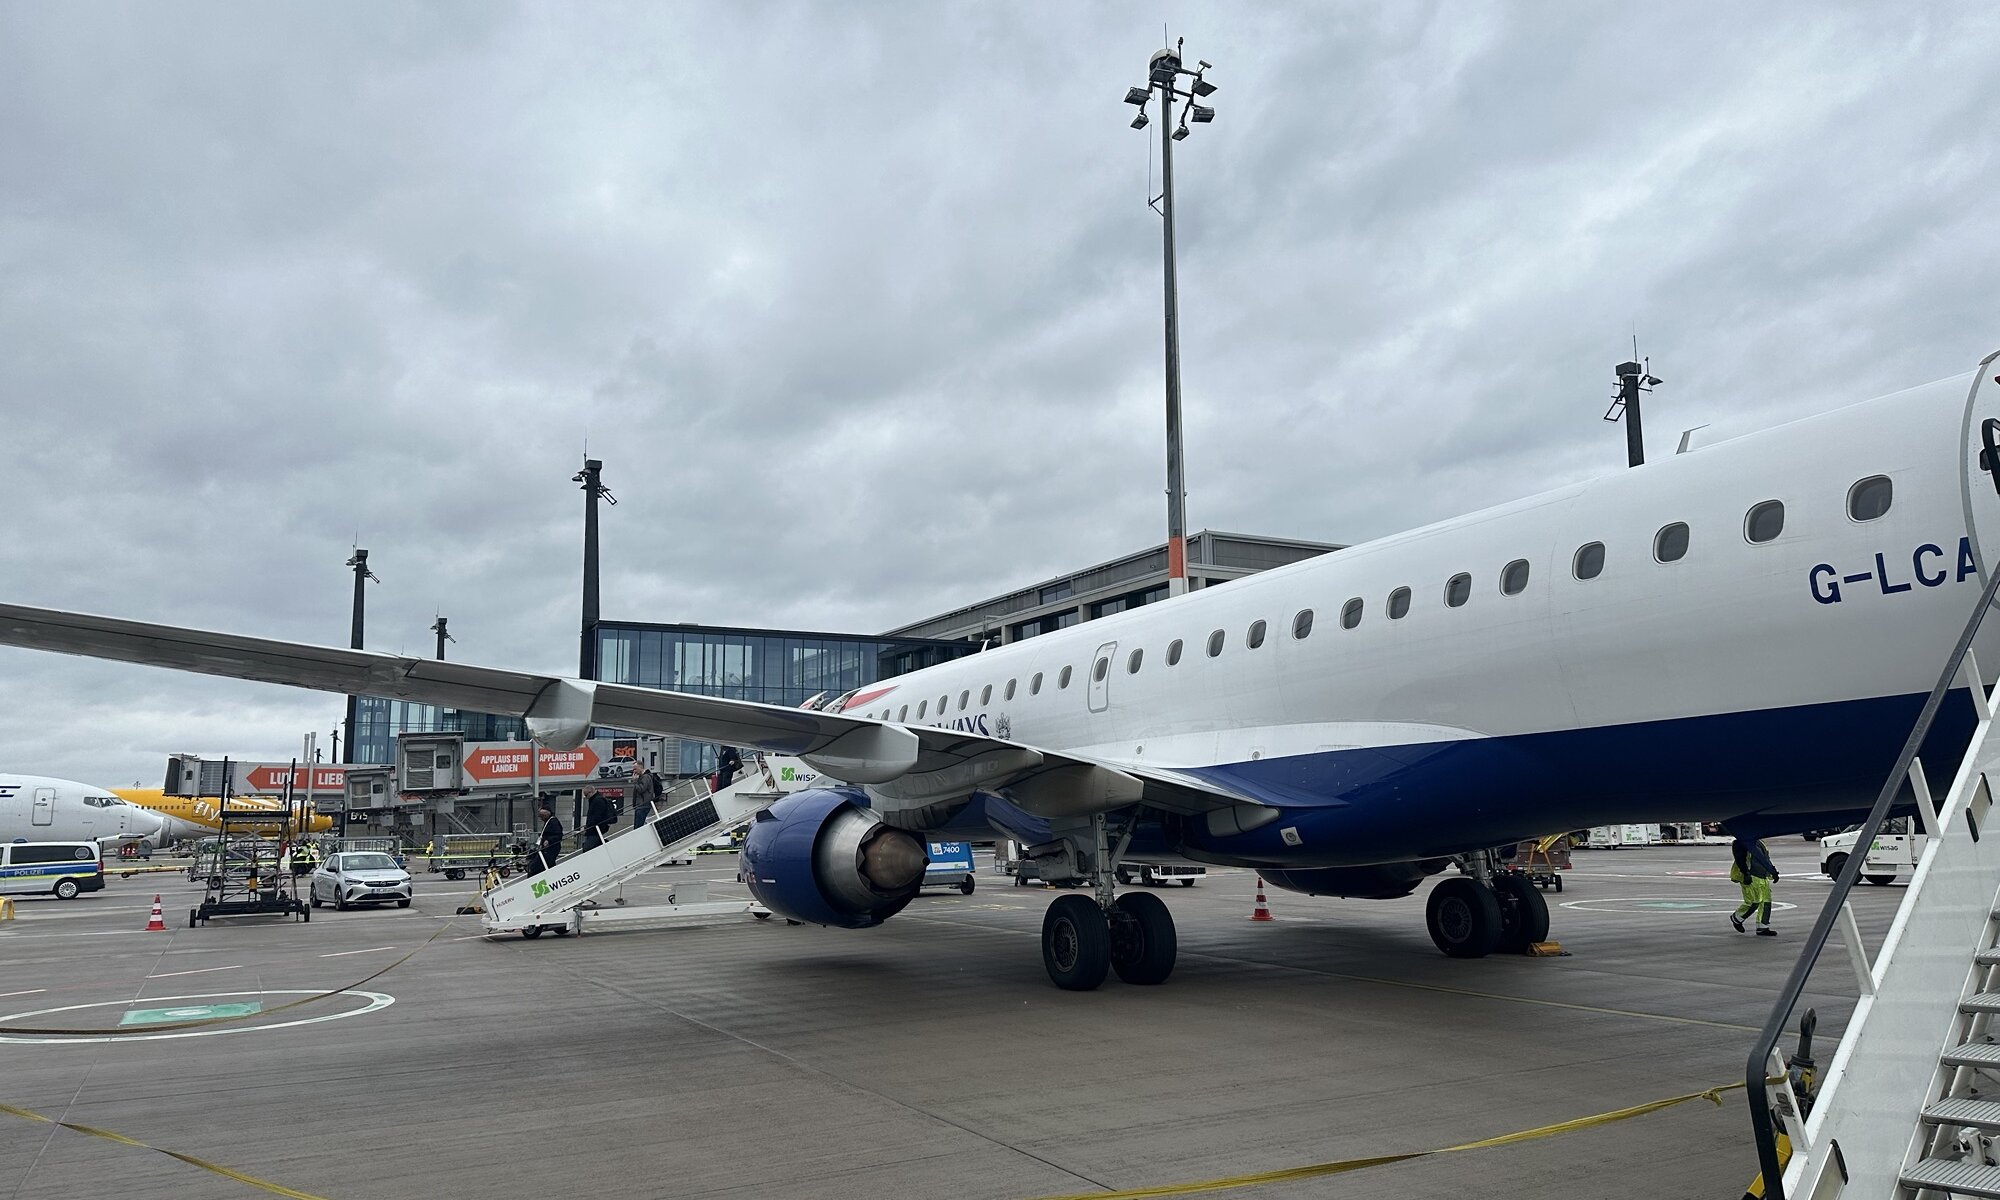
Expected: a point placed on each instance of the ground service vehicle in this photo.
(59, 869)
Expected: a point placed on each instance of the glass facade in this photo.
(377, 722)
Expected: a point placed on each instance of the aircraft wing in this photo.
(902, 763)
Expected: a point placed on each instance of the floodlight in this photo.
(1203, 87)
(1200, 115)
(1164, 70)
(1139, 122)
(1180, 133)
(1137, 95)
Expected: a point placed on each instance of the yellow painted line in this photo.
(265, 1185)
(1345, 1165)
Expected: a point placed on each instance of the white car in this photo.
(360, 877)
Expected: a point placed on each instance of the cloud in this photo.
(861, 305)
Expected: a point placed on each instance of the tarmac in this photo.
(929, 1057)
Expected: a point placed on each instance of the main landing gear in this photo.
(1483, 911)
(1084, 938)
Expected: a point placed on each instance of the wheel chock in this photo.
(1546, 950)
(6, 908)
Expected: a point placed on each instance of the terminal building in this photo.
(788, 668)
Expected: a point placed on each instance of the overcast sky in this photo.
(860, 303)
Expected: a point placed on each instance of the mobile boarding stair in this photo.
(566, 898)
(1909, 1107)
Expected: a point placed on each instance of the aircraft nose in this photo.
(145, 824)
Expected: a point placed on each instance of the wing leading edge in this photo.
(902, 762)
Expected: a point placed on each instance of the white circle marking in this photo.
(376, 1000)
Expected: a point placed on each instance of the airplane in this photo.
(194, 817)
(1743, 634)
(35, 808)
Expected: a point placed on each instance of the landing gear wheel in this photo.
(1881, 880)
(532, 932)
(1143, 942)
(1524, 915)
(1464, 918)
(967, 885)
(1076, 943)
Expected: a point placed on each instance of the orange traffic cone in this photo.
(157, 923)
(1263, 909)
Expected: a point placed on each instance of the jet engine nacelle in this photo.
(821, 856)
(1388, 881)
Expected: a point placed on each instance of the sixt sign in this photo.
(1929, 565)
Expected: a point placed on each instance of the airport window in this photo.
(1870, 498)
(921, 705)
(986, 695)
(1035, 685)
(1062, 680)
(1103, 667)
(1399, 604)
(1009, 693)
(1350, 613)
(1302, 624)
(1589, 561)
(965, 699)
(1764, 521)
(1132, 663)
(1457, 590)
(1671, 543)
(1514, 577)
(1174, 653)
(1256, 635)
(1215, 643)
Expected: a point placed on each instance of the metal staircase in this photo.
(564, 898)
(1899, 1111)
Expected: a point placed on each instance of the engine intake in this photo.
(821, 856)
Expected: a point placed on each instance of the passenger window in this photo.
(1215, 643)
(1132, 663)
(944, 702)
(1098, 672)
(1174, 653)
(1764, 521)
(964, 699)
(1399, 604)
(1062, 680)
(921, 705)
(1350, 613)
(1671, 543)
(1035, 685)
(986, 695)
(1009, 693)
(1302, 625)
(1514, 577)
(1589, 561)
(1870, 498)
(1457, 590)
(1256, 637)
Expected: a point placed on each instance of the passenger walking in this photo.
(646, 792)
(550, 847)
(727, 763)
(1753, 869)
(597, 819)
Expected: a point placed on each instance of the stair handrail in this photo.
(1756, 1068)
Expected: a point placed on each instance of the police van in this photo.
(61, 869)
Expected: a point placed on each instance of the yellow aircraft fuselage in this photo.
(198, 816)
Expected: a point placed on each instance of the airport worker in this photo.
(727, 763)
(551, 840)
(1753, 870)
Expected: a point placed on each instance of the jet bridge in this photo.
(569, 897)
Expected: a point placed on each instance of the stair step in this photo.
(1988, 958)
(1978, 1054)
(1958, 1178)
(1965, 1112)
(1984, 1002)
